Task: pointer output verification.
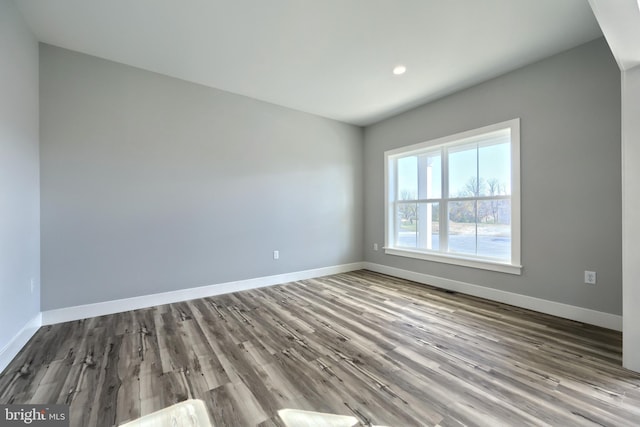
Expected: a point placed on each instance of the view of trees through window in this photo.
(462, 208)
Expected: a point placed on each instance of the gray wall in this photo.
(19, 193)
(152, 184)
(569, 107)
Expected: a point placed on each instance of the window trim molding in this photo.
(512, 267)
(456, 259)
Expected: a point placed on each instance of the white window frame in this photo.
(390, 174)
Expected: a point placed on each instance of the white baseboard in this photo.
(67, 314)
(572, 312)
(14, 346)
(585, 315)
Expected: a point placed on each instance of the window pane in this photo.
(495, 169)
(430, 176)
(407, 178)
(407, 215)
(494, 229)
(462, 227)
(428, 229)
(463, 171)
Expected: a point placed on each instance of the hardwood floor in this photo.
(385, 350)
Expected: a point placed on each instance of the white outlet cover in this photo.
(590, 277)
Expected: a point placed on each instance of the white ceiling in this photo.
(328, 57)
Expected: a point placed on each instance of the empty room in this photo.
(294, 213)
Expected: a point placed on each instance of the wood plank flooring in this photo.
(385, 350)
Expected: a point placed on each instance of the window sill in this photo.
(457, 260)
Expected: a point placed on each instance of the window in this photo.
(457, 199)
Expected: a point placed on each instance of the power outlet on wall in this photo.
(33, 285)
(276, 254)
(590, 277)
(375, 246)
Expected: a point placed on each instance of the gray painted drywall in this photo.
(19, 179)
(569, 106)
(630, 218)
(152, 184)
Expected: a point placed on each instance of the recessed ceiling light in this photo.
(400, 69)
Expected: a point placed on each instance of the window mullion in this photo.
(463, 199)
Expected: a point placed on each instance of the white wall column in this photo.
(425, 217)
(631, 218)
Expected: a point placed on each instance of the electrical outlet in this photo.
(590, 277)
(375, 246)
(33, 284)
(276, 254)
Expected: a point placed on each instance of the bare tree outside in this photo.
(408, 211)
(495, 189)
(488, 211)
